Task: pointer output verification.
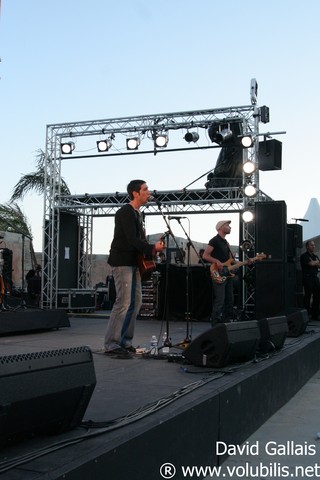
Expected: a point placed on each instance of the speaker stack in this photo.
(44, 392)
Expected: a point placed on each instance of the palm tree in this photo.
(11, 216)
(35, 181)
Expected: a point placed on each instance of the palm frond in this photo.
(12, 219)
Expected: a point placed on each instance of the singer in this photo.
(128, 242)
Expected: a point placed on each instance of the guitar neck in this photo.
(240, 264)
(237, 265)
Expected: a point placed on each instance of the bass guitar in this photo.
(221, 275)
(146, 264)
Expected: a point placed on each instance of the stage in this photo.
(146, 412)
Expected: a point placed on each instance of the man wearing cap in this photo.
(218, 252)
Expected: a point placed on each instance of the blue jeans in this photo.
(121, 325)
(222, 305)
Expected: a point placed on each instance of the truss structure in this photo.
(88, 206)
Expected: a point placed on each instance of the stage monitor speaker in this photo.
(297, 319)
(271, 229)
(223, 344)
(44, 392)
(273, 333)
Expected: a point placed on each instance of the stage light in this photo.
(133, 143)
(191, 137)
(249, 167)
(103, 145)
(246, 245)
(250, 190)
(67, 148)
(219, 133)
(161, 141)
(247, 216)
(247, 141)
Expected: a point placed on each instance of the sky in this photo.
(73, 60)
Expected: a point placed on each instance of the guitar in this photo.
(146, 264)
(221, 275)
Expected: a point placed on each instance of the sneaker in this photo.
(118, 353)
(130, 349)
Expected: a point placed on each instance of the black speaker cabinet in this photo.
(297, 319)
(270, 155)
(273, 333)
(271, 229)
(44, 392)
(224, 343)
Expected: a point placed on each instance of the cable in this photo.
(104, 427)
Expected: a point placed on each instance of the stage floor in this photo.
(140, 385)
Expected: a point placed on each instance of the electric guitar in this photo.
(221, 275)
(146, 264)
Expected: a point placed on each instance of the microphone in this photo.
(153, 199)
(175, 218)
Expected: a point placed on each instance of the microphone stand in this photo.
(167, 341)
(188, 317)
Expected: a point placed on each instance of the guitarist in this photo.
(218, 252)
(129, 240)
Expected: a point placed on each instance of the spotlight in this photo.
(250, 190)
(133, 143)
(247, 216)
(249, 167)
(191, 137)
(247, 141)
(223, 135)
(103, 145)
(246, 245)
(161, 141)
(67, 148)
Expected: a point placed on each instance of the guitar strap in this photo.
(230, 253)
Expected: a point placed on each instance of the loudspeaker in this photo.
(271, 229)
(44, 392)
(273, 333)
(223, 344)
(275, 288)
(69, 231)
(294, 241)
(269, 289)
(270, 155)
(297, 319)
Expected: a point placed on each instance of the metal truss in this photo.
(88, 206)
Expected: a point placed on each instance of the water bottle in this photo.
(154, 345)
(165, 345)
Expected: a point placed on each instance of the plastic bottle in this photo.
(154, 345)
(165, 345)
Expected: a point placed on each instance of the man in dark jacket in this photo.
(128, 243)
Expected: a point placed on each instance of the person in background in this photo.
(310, 264)
(128, 245)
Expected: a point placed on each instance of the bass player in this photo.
(218, 252)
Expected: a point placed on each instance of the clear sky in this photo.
(76, 60)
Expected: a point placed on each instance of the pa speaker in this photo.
(44, 392)
(297, 319)
(223, 344)
(271, 229)
(273, 333)
(270, 155)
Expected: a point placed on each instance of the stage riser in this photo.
(229, 413)
(26, 320)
